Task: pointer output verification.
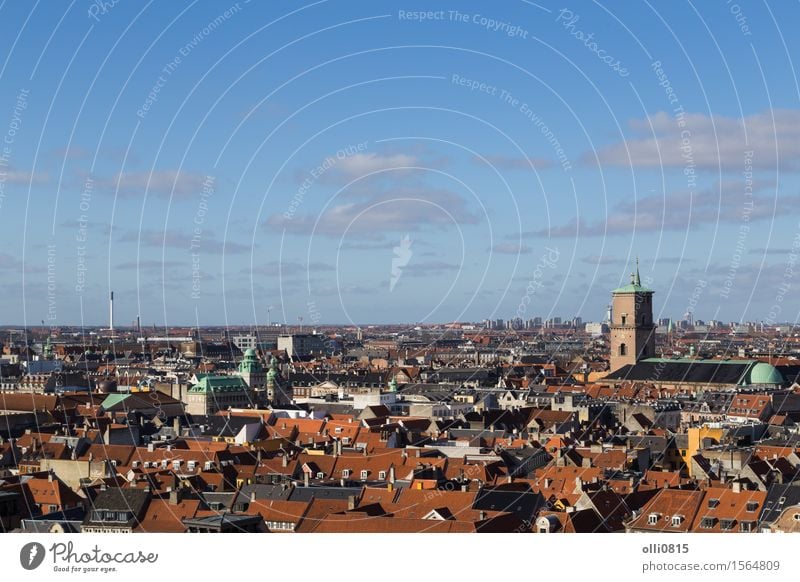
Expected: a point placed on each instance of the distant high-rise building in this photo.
(299, 345)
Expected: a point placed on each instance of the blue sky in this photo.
(349, 162)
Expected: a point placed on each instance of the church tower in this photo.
(633, 333)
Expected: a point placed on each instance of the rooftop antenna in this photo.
(111, 314)
(269, 316)
(300, 319)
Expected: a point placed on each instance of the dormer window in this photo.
(346, 473)
(713, 503)
(381, 474)
(677, 520)
(652, 519)
(364, 474)
(320, 475)
(752, 506)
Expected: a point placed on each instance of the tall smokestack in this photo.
(111, 312)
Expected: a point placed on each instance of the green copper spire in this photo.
(635, 284)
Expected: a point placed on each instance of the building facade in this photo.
(632, 331)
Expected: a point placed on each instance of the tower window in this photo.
(624, 319)
(623, 350)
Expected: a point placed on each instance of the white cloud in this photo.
(511, 249)
(711, 141)
(361, 164)
(160, 183)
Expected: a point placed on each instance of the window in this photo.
(707, 522)
(364, 474)
(381, 474)
(346, 473)
(652, 519)
(713, 503)
(624, 318)
(677, 520)
(727, 524)
(623, 350)
(752, 506)
(796, 517)
(320, 475)
(747, 526)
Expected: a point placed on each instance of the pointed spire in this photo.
(635, 275)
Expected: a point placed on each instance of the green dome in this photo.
(763, 373)
(249, 353)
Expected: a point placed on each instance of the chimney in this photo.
(737, 486)
(50, 475)
(578, 485)
(391, 474)
(111, 312)
(175, 496)
(351, 502)
(305, 478)
(150, 447)
(284, 459)
(482, 515)
(253, 496)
